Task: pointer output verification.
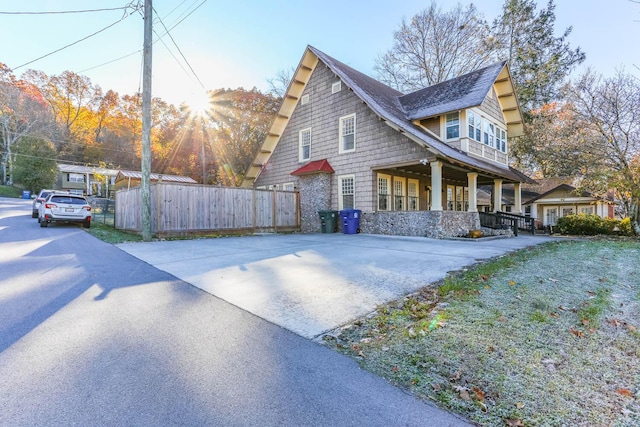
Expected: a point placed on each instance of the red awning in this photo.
(317, 166)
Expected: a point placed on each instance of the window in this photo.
(452, 125)
(347, 133)
(336, 87)
(77, 192)
(586, 210)
(475, 126)
(305, 145)
(384, 192)
(451, 197)
(288, 186)
(398, 194)
(489, 133)
(75, 177)
(304, 100)
(501, 140)
(459, 198)
(413, 197)
(346, 192)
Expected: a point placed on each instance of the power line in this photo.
(180, 51)
(66, 11)
(78, 41)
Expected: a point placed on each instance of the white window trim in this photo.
(300, 151)
(445, 126)
(341, 149)
(336, 87)
(416, 182)
(403, 191)
(305, 99)
(340, 195)
(288, 186)
(389, 189)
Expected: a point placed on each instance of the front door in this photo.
(550, 216)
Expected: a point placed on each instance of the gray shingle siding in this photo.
(376, 143)
(491, 106)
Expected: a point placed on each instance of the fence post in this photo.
(274, 208)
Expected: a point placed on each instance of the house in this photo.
(411, 163)
(127, 179)
(558, 198)
(85, 180)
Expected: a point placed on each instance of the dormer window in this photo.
(452, 125)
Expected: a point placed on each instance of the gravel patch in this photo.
(546, 336)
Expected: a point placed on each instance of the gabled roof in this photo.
(386, 103)
(317, 166)
(155, 177)
(86, 169)
(456, 94)
(565, 187)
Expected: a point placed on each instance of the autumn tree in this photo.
(35, 165)
(279, 84)
(540, 62)
(553, 143)
(436, 45)
(609, 111)
(22, 113)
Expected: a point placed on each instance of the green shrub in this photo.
(591, 225)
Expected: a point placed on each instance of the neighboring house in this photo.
(129, 179)
(85, 180)
(560, 199)
(412, 163)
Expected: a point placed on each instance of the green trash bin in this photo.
(329, 220)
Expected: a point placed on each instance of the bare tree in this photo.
(436, 45)
(609, 109)
(278, 85)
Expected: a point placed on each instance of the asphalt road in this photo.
(90, 335)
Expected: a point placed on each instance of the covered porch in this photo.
(435, 198)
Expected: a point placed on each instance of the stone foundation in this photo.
(315, 195)
(433, 224)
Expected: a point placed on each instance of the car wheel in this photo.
(86, 224)
(38, 220)
(43, 223)
(34, 214)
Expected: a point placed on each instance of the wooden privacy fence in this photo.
(178, 209)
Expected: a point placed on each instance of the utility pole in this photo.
(146, 123)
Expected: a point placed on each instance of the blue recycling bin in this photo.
(350, 220)
(26, 194)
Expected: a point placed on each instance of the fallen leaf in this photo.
(436, 387)
(483, 277)
(482, 406)
(456, 376)
(554, 314)
(486, 286)
(512, 422)
(614, 322)
(394, 369)
(577, 333)
(591, 292)
(602, 279)
(585, 322)
(464, 394)
(511, 282)
(502, 319)
(478, 394)
(625, 392)
(519, 405)
(355, 346)
(561, 308)
(361, 354)
(553, 280)
(491, 349)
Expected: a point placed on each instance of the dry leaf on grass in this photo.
(577, 333)
(512, 422)
(478, 394)
(502, 319)
(463, 392)
(519, 405)
(625, 392)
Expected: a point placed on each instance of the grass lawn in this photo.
(546, 336)
(9, 191)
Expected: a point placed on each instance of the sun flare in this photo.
(198, 103)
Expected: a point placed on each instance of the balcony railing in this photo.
(506, 220)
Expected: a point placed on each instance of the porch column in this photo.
(497, 194)
(517, 198)
(472, 178)
(436, 186)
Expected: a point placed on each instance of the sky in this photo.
(243, 43)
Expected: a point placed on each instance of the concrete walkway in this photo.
(313, 283)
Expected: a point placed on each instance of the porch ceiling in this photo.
(450, 173)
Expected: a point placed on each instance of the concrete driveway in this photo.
(313, 283)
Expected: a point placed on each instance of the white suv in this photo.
(64, 208)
